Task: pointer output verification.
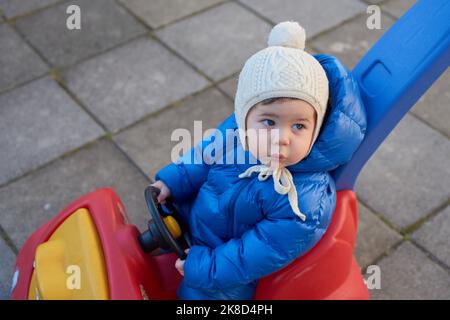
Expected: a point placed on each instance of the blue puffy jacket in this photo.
(242, 229)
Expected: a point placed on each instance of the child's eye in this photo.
(298, 126)
(268, 122)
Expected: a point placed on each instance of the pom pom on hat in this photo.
(287, 34)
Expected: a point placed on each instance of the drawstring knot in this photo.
(286, 186)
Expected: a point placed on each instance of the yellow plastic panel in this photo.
(70, 265)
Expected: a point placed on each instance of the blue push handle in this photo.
(395, 73)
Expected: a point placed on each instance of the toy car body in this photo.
(94, 234)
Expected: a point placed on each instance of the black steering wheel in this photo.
(166, 229)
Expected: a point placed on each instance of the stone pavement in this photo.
(82, 109)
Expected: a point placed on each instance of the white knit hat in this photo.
(283, 69)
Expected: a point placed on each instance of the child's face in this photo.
(288, 127)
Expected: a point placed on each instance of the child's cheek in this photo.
(257, 147)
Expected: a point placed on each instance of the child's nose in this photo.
(282, 136)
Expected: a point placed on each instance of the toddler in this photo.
(250, 219)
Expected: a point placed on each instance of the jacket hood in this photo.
(344, 125)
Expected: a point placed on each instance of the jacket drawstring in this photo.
(286, 185)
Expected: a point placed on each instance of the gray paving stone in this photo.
(409, 274)
(104, 24)
(315, 17)
(39, 122)
(397, 7)
(33, 200)
(350, 41)
(434, 236)
(18, 62)
(14, 8)
(408, 176)
(373, 1)
(149, 144)
(217, 41)
(229, 86)
(129, 82)
(162, 12)
(433, 107)
(374, 237)
(7, 261)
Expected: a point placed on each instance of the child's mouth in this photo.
(278, 156)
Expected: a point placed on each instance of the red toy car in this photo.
(126, 271)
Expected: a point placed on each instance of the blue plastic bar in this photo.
(395, 73)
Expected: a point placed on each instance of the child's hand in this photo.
(179, 264)
(165, 191)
